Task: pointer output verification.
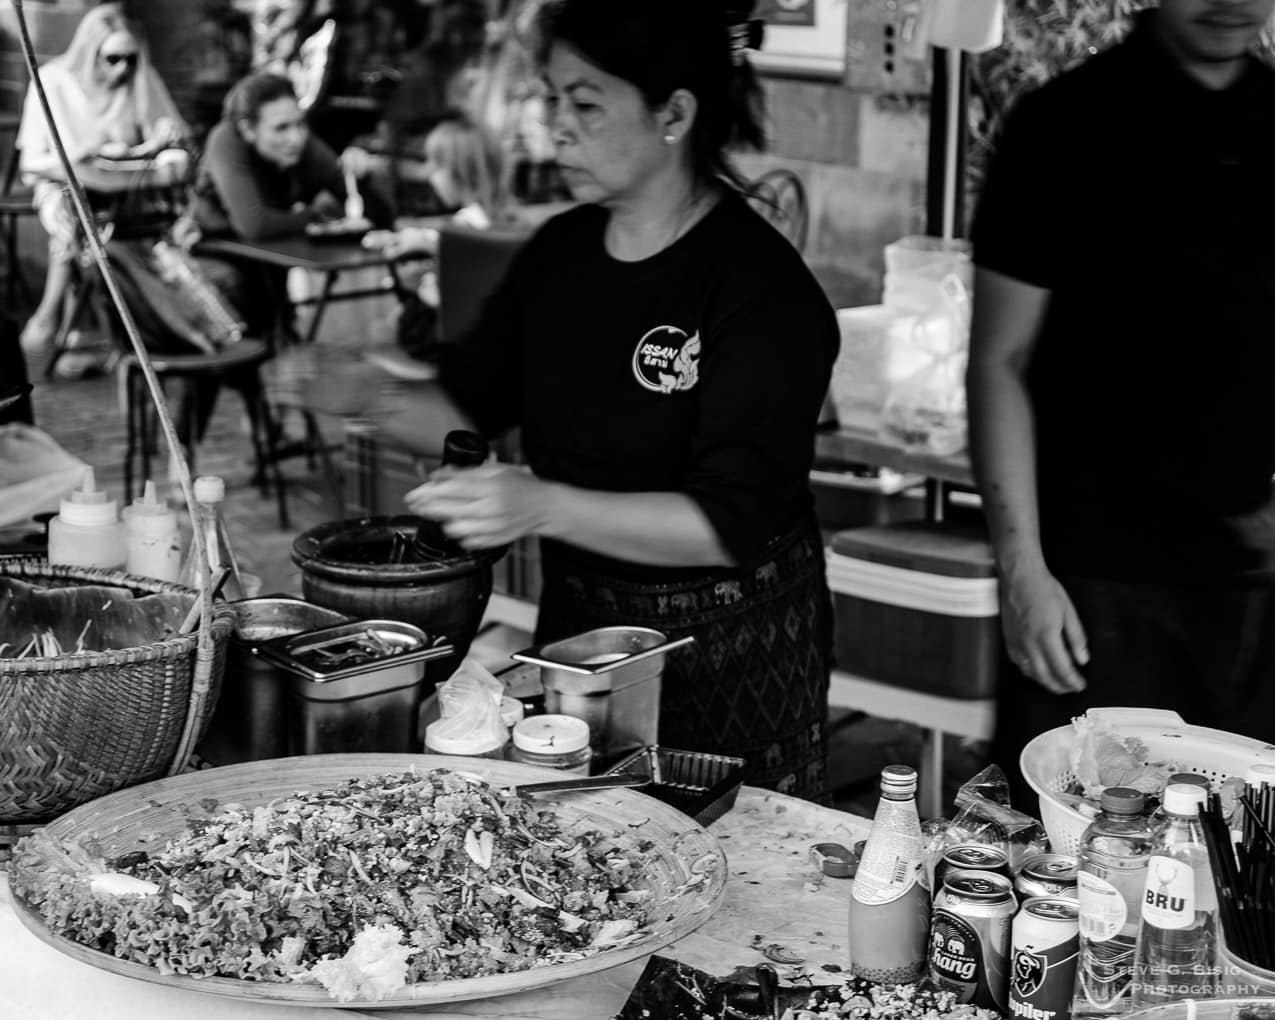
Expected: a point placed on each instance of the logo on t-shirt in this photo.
(666, 359)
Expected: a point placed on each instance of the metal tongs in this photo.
(623, 779)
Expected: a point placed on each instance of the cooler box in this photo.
(916, 607)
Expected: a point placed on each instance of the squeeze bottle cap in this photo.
(1184, 799)
(147, 504)
(1123, 800)
(88, 506)
(209, 489)
(551, 734)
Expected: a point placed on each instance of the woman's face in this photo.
(279, 133)
(608, 142)
(117, 59)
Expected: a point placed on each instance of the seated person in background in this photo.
(107, 101)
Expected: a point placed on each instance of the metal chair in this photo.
(780, 198)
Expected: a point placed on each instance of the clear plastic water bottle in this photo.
(1158, 816)
(1113, 856)
(1177, 937)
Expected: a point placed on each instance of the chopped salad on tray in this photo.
(376, 884)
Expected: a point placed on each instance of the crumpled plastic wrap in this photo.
(984, 815)
(469, 713)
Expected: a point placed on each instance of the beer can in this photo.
(1046, 875)
(970, 857)
(970, 939)
(1046, 949)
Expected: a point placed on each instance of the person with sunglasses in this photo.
(107, 101)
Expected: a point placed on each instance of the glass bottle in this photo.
(1177, 935)
(210, 493)
(889, 905)
(461, 449)
(1113, 856)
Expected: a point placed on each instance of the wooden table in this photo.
(329, 259)
(773, 895)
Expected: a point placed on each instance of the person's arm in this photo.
(37, 155)
(229, 165)
(1042, 631)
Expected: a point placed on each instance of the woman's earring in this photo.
(670, 138)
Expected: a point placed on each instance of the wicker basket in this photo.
(76, 727)
(1046, 763)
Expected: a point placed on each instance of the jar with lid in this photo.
(554, 742)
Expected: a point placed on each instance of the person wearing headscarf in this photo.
(107, 101)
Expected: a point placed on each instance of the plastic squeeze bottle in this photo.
(889, 905)
(210, 492)
(151, 537)
(87, 532)
(1114, 851)
(1177, 937)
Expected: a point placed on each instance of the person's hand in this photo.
(114, 150)
(484, 506)
(356, 161)
(325, 206)
(1042, 631)
(185, 232)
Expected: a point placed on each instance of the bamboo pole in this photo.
(204, 650)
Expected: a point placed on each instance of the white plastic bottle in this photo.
(889, 905)
(210, 493)
(151, 537)
(87, 531)
(1113, 861)
(1177, 937)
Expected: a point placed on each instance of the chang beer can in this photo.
(970, 939)
(1046, 875)
(970, 857)
(1043, 958)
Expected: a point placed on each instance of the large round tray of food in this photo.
(374, 880)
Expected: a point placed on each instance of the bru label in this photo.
(966, 963)
(1169, 895)
(1041, 982)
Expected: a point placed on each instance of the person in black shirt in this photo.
(1122, 379)
(665, 353)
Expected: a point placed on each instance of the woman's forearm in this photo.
(666, 529)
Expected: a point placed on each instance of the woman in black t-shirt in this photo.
(665, 353)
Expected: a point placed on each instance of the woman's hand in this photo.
(114, 150)
(485, 506)
(1043, 633)
(356, 161)
(325, 206)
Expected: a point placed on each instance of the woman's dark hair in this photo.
(245, 100)
(660, 46)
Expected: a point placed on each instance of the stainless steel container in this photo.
(609, 677)
(250, 720)
(356, 687)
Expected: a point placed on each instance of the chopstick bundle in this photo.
(1245, 874)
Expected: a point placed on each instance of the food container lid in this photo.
(947, 549)
(551, 734)
(473, 744)
(1260, 773)
(351, 649)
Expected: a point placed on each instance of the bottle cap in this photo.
(899, 780)
(209, 489)
(551, 734)
(1189, 779)
(1260, 774)
(1184, 799)
(148, 504)
(511, 711)
(1122, 800)
(474, 742)
(88, 506)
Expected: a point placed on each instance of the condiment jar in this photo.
(553, 742)
(151, 537)
(87, 532)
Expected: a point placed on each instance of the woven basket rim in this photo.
(175, 647)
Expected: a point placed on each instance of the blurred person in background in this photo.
(1122, 380)
(665, 353)
(107, 101)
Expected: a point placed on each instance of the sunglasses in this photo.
(113, 59)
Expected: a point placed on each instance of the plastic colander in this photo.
(1046, 763)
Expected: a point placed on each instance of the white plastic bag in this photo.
(35, 473)
(469, 713)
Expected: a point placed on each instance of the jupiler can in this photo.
(1046, 875)
(1046, 949)
(970, 857)
(970, 939)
